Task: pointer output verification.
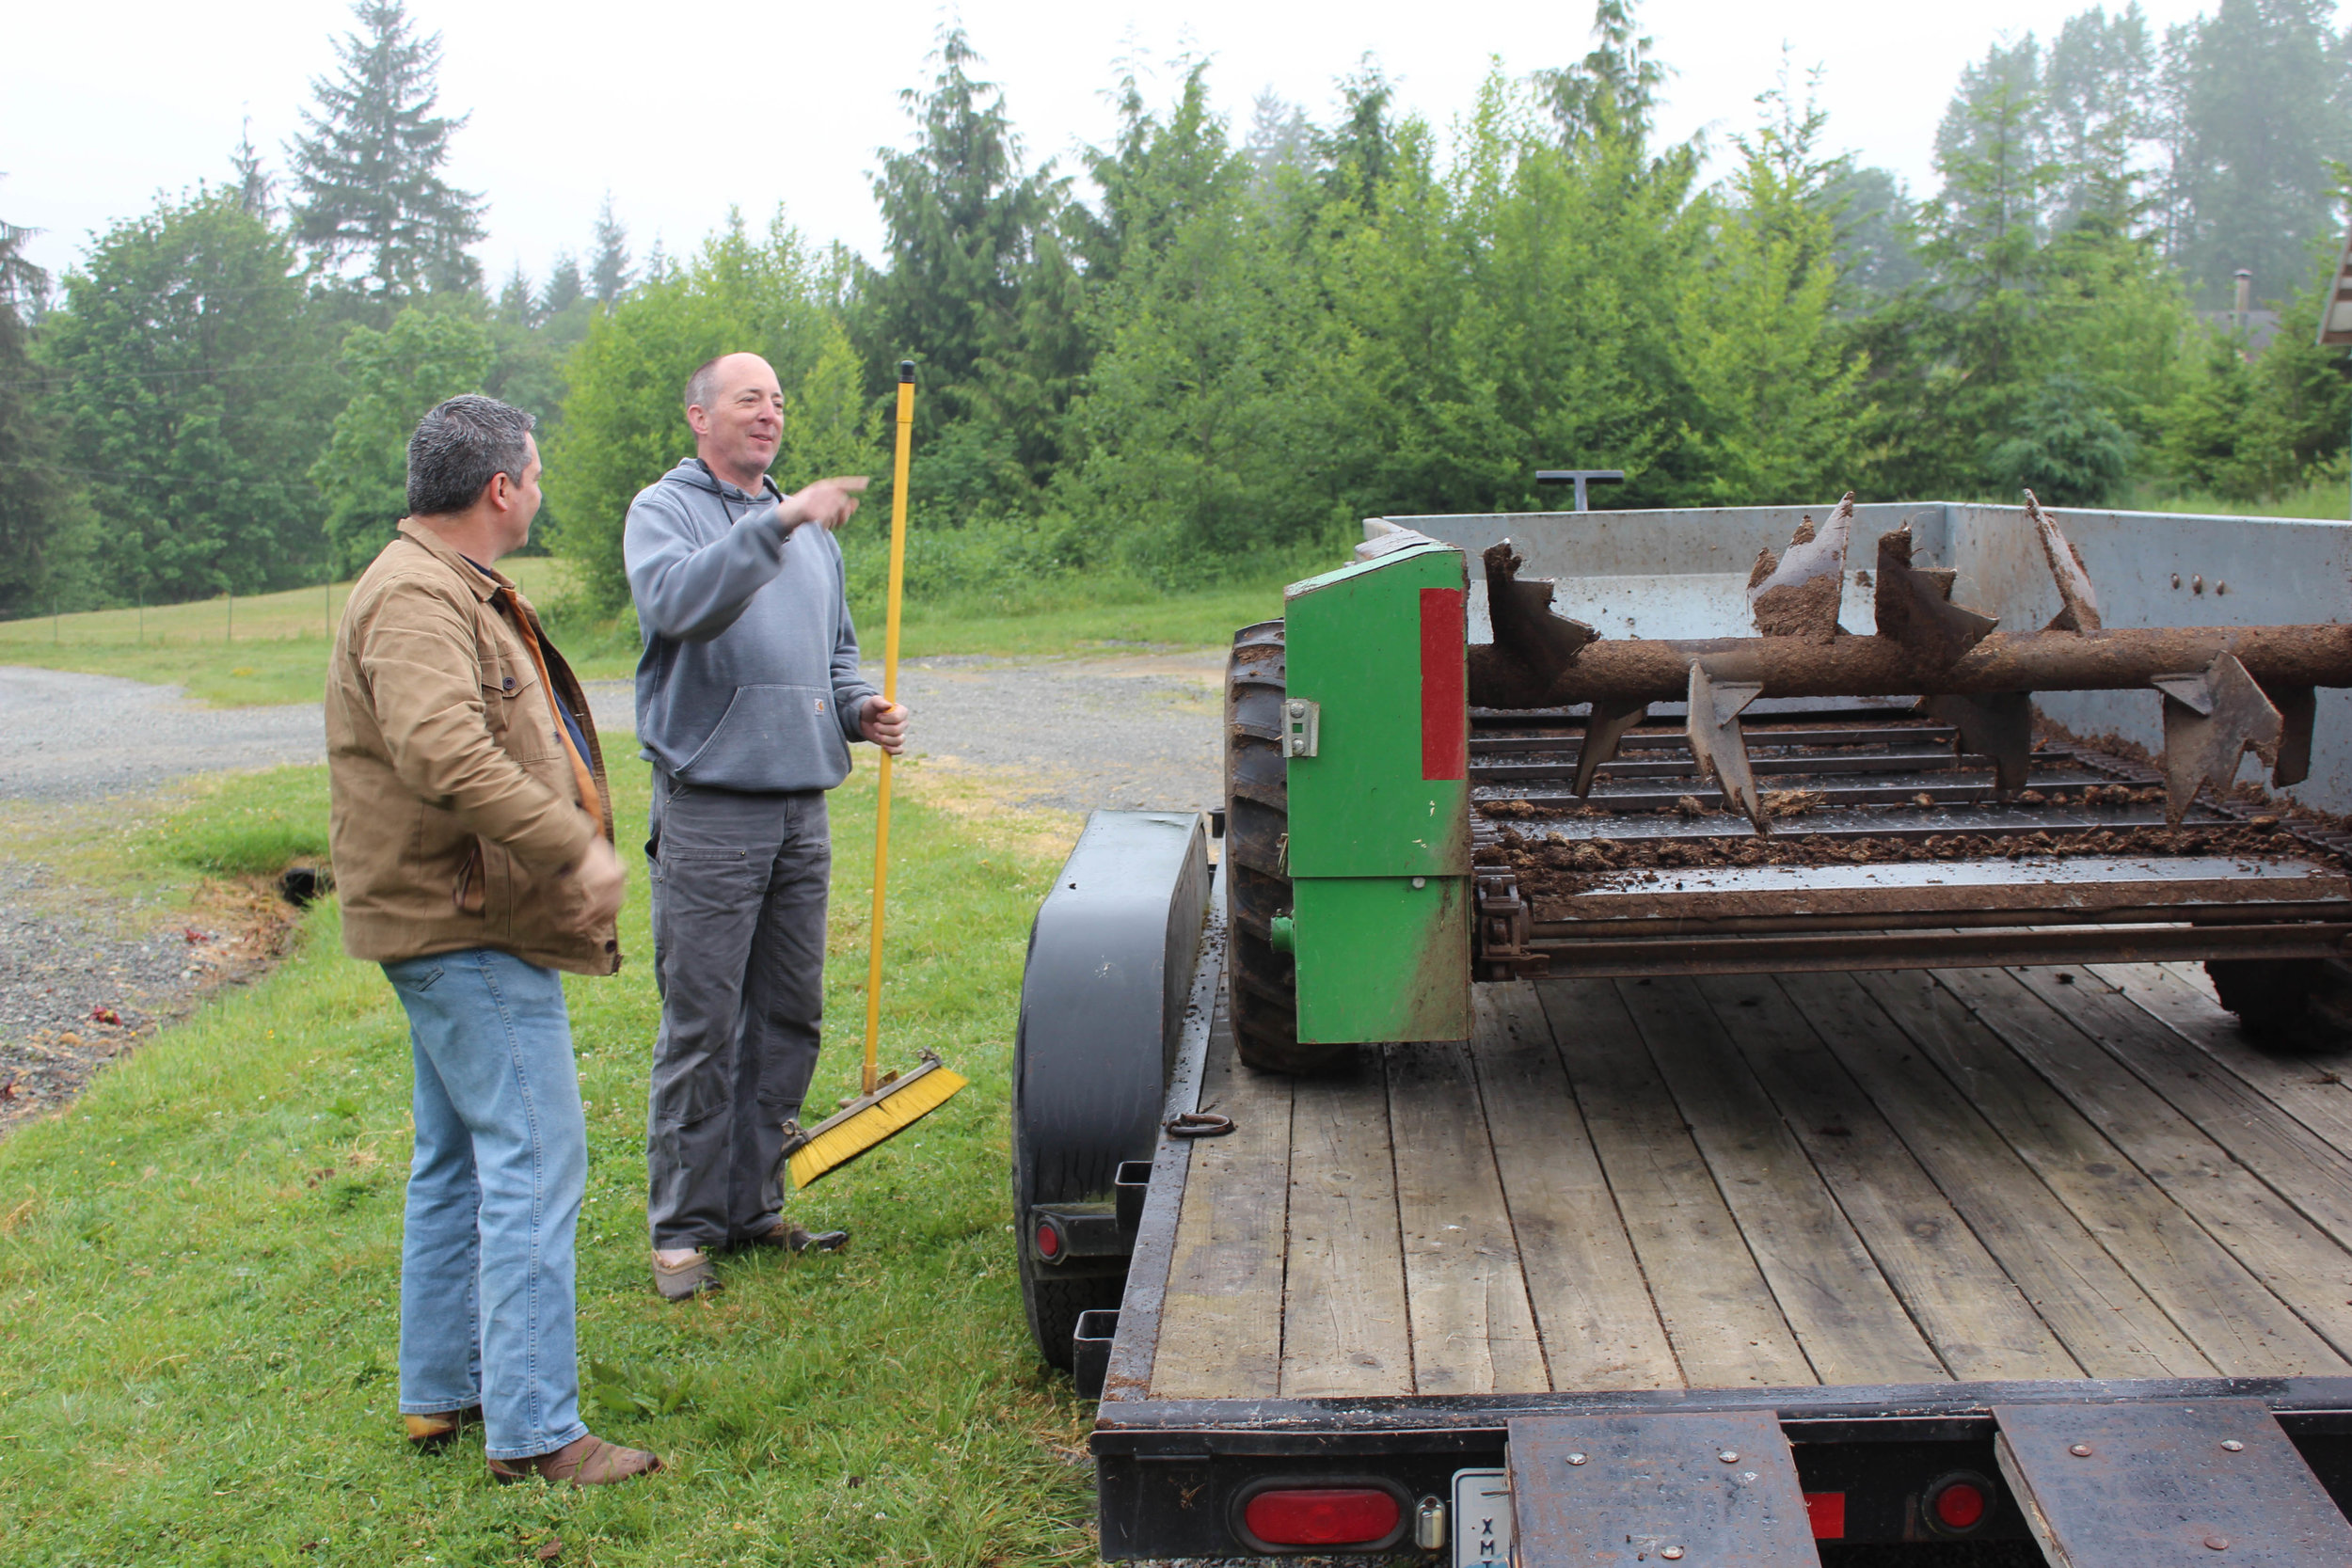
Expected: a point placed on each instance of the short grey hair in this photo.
(460, 447)
(704, 382)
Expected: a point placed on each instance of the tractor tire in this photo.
(1262, 984)
(2287, 1006)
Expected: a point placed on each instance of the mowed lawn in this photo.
(272, 648)
(200, 1264)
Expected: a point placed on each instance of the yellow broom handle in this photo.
(890, 698)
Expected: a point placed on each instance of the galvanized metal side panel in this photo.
(2277, 572)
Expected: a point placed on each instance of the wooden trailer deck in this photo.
(1841, 1178)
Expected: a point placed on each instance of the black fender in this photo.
(1102, 997)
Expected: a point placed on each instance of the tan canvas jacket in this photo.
(457, 811)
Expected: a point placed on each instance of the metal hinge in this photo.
(1302, 727)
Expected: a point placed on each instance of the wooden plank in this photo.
(2214, 1298)
(1473, 1332)
(1600, 1328)
(2106, 1322)
(1344, 1326)
(1726, 1328)
(2288, 1157)
(1973, 1315)
(2297, 1261)
(1845, 1315)
(2310, 1085)
(1221, 1320)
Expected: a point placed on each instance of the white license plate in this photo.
(1481, 1519)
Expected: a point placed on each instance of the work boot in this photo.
(586, 1460)
(433, 1433)
(686, 1281)
(798, 1239)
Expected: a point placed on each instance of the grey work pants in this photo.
(738, 951)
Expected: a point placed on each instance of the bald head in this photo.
(735, 406)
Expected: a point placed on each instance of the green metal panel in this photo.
(1352, 642)
(1381, 960)
(1377, 646)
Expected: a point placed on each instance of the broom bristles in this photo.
(838, 1140)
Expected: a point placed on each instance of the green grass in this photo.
(279, 650)
(199, 1270)
(2325, 499)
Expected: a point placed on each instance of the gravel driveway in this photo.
(65, 737)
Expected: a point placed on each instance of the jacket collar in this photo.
(485, 581)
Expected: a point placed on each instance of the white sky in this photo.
(681, 113)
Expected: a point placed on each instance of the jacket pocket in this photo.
(772, 737)
(472, 890)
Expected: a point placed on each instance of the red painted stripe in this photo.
(1444, 702)
(1827, 1512)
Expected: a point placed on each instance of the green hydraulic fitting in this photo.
(1284, 933)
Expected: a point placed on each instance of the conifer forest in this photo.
(1210, 346)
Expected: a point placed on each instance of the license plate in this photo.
(1481, 1519)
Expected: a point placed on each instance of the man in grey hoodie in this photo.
(748, 697)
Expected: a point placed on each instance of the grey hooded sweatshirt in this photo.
(749, 679)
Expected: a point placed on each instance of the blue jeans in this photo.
(494, 1192)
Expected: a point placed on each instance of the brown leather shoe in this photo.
(687, 1280)
(588, 1461)
(430, 1434)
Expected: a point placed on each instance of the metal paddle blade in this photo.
(1914, 605)
(2211, 721)
(1797, 594)
(2078, 602)
(1604, 726)
(1717, 744)
(1998, 725)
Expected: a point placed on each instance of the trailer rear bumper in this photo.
(1172, 1474)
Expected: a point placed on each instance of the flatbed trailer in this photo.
(1769, 1209)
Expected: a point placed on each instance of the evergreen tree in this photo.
(978, 289)
(1279, 138)
(33, 489)
(1775, 386)
(608, 270)
(565, 286)
(2099, 89)
(1877, 223)
(368, 168)
(2256, 107)
(396, 375)
(515, 305)
(257, 189)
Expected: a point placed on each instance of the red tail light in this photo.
(1826, 1513)
(1960, 1505)
(1048, 1242)
(1322, 1515)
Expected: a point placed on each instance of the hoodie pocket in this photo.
(772, 737)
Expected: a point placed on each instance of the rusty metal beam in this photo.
(1647, 670)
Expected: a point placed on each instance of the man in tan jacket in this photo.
(473, 854)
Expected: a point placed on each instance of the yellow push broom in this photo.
(889, 1104)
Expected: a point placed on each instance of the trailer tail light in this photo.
(1959, 1504)
(1048, 1241)
(1826, 1513)
(1322, 1515)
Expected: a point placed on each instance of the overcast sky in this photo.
(682, 112)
